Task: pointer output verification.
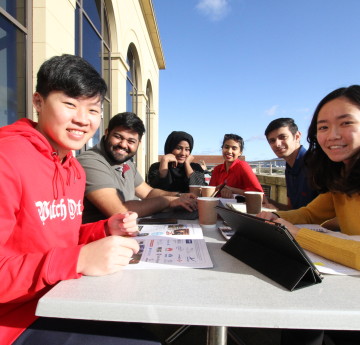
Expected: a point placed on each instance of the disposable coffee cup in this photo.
(207, 212)
(253, 202)
(207, 191)
(195, 189)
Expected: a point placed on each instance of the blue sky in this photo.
(232, 66)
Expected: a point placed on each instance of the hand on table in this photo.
(187, 201)
(105, 256)
(123, 224)
(273, 217)
(268, 215)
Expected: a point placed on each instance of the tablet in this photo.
(269, 248)
(177, 213)
(156, 221)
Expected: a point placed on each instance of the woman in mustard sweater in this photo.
(333, 160)
(334, 164)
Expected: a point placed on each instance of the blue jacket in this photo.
(298, 189)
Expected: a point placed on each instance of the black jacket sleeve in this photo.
(154, 179)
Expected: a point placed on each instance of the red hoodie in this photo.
(40, 223)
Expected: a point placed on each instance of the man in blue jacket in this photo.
(284, 137)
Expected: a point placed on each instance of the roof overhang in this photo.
(150, 20)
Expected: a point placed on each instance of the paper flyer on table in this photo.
(324, 265)
(180, 230)
(171, 246)
(224, 201)
(241, 207)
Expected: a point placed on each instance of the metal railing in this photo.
(269, 167)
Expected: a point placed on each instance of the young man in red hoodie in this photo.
(42, 186)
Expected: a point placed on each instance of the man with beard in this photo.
(113, 184)
(283, 137)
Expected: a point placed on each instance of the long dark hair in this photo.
(325, 174)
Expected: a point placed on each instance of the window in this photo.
(92, 42)
(15, 60)
(148, 126)
(131, 84)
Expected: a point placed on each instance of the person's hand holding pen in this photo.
(219, 189)
(226, 192)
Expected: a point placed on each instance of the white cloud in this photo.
(260, 137)
(214, 9)
(272, 111)
(302, 110)
(276, 111)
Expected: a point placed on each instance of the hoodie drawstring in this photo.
(58, 178)
(75, 169)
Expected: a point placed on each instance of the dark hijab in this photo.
(174, 138)
(176, 179)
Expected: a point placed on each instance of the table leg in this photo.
(216, 335)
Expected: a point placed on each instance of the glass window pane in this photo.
(129, 93)
(107, 71)
(94, 140)
(91, 46)
(106, 33)
(130, 62)
(77, 31)
(12, 73)
(107, 114)
(105, 121)
(16, 8)
(93, 10)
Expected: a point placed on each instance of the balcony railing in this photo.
(270, 167)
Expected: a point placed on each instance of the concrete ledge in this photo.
(278, 186)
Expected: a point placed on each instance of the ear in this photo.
(37, 101)
(298, 136)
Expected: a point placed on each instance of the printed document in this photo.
(170, 246)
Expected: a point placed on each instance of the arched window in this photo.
(131, 83)
(148, 125)
(92, 42)
(15, 60)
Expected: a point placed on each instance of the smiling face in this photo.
(338, 130)
(231, 151)
(121, 144)
(181, 151)
(283, 142)
(67, 122)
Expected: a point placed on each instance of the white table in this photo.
(230, 294)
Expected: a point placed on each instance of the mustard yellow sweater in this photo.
(324, 207)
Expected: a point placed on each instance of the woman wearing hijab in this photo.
(176, 170)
